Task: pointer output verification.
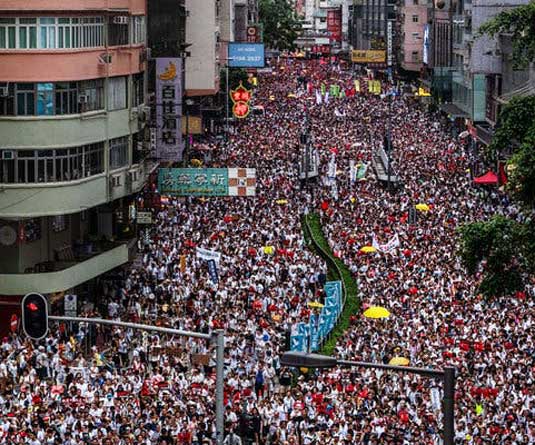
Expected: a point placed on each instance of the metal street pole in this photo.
(447, 375)
(389, 144)
(218, 336)
(226, 105)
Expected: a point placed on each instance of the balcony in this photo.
(61, 198)
(68, 273)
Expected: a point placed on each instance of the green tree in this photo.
(515, 121)
(500, 249)
(280, 24)
(522, 171)
(520, 24)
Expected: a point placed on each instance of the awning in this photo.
(487, 179)
(453, 110)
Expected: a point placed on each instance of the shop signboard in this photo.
(207, 181)
(246, 55)
(168, 108)
(368, 56)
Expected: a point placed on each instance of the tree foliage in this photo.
(280, 24)
(520, 23)
(522, 176)
(235, 76)
(515, 121)
(500, 250)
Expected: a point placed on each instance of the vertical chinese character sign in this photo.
(240, 97)
(169, 108)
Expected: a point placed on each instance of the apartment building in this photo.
(72, 113)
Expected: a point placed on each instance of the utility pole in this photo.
(36, 326)
(446, 375)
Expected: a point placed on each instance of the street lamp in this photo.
(301, 359)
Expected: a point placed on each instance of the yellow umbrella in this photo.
(281, 201)
(368, 249)
(376, 312)
(271, 98)
(422, 207)
(399, 361)
(315, 304)
(269, 250)
(292, 95)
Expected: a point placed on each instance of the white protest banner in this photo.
(208, 255)
(389, 247)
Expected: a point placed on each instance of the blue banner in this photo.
(314, 333)
(212, 271)
(246, 55)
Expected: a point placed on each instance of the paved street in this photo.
(152, 393)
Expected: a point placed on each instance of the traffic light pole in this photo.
(218, 337)
(447, 375)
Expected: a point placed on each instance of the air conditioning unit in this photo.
(115, 181)
(143, 113)
(4, 90)
(120, 20)
(83, 98)
(7, 155)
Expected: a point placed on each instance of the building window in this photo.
(66, 98)
(51, 32)
(25, 99)
(45, 99)
(118, 31)
(59, 223)
(27, 33)
(137, 90)
(415, 56)
(31, 229)
(138, 29)
(7, 99)
(414, 2)
(58, 165)
(415, 18)
(8, 33)
(118, 152)
(91, 96)
(117, 93)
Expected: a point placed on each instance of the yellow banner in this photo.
(369, 56)
(357, 86)
(374, 86)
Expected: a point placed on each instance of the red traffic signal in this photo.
(35, 316)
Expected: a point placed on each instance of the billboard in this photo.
(168, 108)
(207, 181)
(246, 55)
(370, 56)
(334, 24)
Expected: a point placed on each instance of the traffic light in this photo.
(35, 316)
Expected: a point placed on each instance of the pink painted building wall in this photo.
(415, 16)
(70, 64)
(133, 6)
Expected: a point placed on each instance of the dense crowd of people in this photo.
(152, 389)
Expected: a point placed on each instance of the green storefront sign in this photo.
(193, 181)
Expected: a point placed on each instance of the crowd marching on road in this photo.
(158, 390)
